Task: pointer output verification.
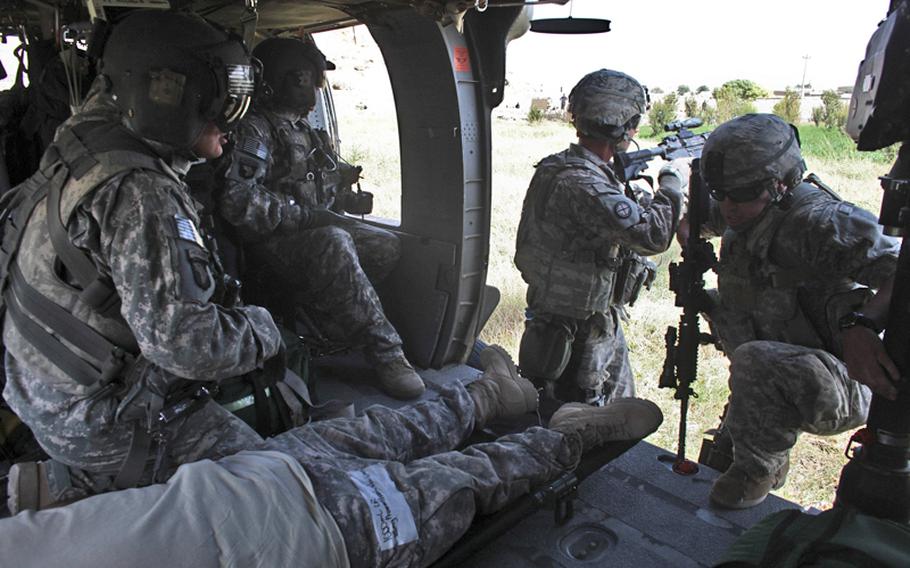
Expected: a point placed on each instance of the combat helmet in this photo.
(752, 151)
(606, 104)
(282, 55)
(172, 73)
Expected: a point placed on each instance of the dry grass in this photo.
(517, 146)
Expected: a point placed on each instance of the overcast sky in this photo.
(666, 43)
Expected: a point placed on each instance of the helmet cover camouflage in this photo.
(750, 149)
(604, 102)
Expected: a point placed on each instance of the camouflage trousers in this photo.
(777, 391)
(599, 354)
(331, 271)
(209, 433)
(398, 493)
(88, 444)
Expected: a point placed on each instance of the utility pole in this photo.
(802, 85)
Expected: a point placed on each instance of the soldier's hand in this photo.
(868, 362)
(680, 168)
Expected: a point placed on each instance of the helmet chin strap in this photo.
(783, 200)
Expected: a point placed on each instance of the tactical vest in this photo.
(574, 283)
(304, 166)
(772, 296)
(86, 344)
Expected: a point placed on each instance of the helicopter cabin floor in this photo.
(635, 511)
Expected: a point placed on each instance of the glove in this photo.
(678, 168)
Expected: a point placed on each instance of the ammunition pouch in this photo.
(354, 202)
(634, 273)
(546, 347)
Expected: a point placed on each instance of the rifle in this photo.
(688, 283)
(683, 144)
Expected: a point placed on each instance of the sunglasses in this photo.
(740, 194)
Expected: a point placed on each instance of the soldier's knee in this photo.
(546, 347)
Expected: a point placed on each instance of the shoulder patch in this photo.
(845, 208)
(186, 230)
(253, 147)
(622, 209)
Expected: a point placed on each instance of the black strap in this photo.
(130, 473)
(81, 149)
(74, 366)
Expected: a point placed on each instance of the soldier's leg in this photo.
(397, 514)
(778, 390)
(422, 429)
(324, 269)
(603, 366)
(378, 250)
(209, 433)
(383, 433)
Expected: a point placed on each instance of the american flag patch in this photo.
(186, 230)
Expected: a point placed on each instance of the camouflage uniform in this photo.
(137, 228)
(277, 189)
(382, 489)
(783, 284)
(578, 249)
(406, 455)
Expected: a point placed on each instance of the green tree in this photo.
(835, 111)
(707, 113)
(702, 89)
(691, 106)
(788, 107)
(662, 112)
(657, 91)
(535, 116)
(734, 98)
(818, 115)
(742, 89)
(682, 90)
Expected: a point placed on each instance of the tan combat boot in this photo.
(620, 420)
(500, 392)
(398, 378)
(27, 488)
(736, 489)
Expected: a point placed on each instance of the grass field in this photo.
(517, 145)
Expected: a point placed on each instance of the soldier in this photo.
(795, 271)
(281, 184)
(113, 330)
(579, 245)
(383, 489)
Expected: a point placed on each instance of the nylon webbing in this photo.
(66, 325)
(58, 354)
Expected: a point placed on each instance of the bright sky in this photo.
(666, 43)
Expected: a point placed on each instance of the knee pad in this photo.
(545, 349)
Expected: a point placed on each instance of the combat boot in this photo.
(500, 392)
(398, 378)
(27, 488)
(737, 489)
(619, 420)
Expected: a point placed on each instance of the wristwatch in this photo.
(854, 319)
